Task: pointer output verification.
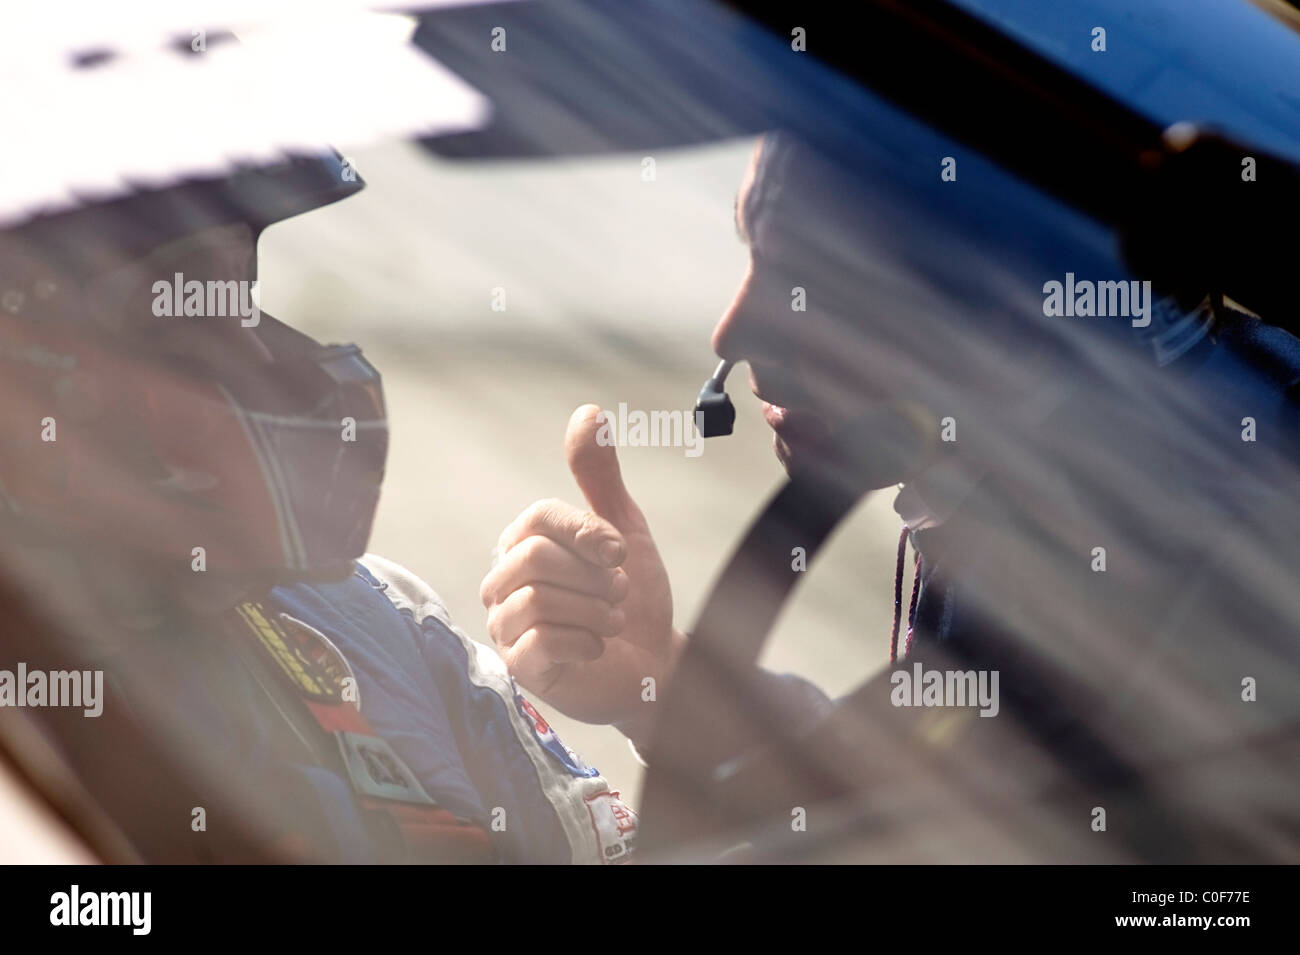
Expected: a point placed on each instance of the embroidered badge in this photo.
(550, 742)
(615, 826)
(310, 660)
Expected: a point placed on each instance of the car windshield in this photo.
(1173, 62)
(1080, 458)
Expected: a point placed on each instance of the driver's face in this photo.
(798, 316)
(120, 301)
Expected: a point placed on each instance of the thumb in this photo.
(589, 448)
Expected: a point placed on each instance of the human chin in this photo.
(886, 443)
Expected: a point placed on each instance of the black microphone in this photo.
(715, 415)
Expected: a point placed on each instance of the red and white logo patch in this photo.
(615, 826)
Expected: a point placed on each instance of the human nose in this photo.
(746, 329)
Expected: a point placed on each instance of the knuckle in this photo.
(533, 549)
(618, 584)
(543, 512)
(590, 528)
(489, 588)
(531, 515)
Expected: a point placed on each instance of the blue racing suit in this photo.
(454, 716)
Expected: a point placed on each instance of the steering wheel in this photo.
(717, 705)
(716, 694)
(732, 778)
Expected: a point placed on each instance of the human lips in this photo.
(774, 415)
(781, 416)
(793, 428)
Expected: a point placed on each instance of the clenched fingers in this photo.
(589, 536)
(533, 605)
(540, 560)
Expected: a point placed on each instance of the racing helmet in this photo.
(267, 466)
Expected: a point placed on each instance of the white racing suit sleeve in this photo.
(599, 827)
